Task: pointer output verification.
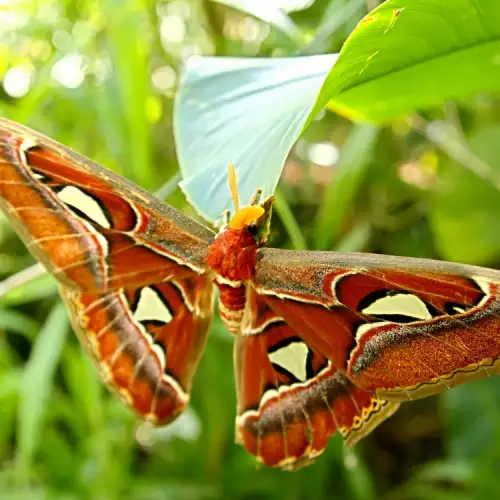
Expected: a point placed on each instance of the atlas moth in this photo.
(324, 342)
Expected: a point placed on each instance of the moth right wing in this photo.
(402, 328)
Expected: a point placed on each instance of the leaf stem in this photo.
(21, 278)
(448, 139)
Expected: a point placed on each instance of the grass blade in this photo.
(37, 384)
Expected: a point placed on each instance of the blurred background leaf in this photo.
(269, 12)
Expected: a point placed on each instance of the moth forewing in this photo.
(403, 328)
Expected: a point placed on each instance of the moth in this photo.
(324, 342)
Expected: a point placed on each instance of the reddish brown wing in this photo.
(291, 399)
(146, 341)
(132, 270)
(405, 328)
(92, 229)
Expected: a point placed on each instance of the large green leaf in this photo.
(246, 110)
(412, 54)
(335, 17)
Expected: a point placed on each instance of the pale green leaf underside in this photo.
(246, 110)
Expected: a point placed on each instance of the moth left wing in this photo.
(146, 341)
(404, 328)
(91, 228)
(291, 399)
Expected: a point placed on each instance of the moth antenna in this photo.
(255, 200)
(233, 185)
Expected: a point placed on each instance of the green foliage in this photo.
(385, 64)
(101, 79)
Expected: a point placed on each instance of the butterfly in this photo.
(325, 342)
